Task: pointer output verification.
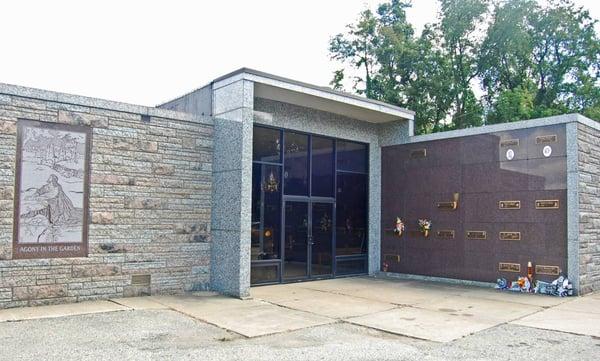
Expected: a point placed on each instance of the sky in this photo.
(148, 52)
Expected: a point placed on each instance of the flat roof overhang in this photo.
(290, 91)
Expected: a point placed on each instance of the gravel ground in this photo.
(166, 334)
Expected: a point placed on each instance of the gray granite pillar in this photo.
(572, 204)
(374, 208)
(232, 187)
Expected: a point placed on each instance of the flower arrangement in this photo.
(399, 227)
(424, 226)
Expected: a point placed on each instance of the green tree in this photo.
(357, 48)
(480, 62)
(395, 53)
(428, 93)
(514, 104)
(554, 47)
(505, 61)
(459, 20)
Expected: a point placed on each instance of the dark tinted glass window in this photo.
(322, 167)
(322, 235)
(296, 240)
(264, 273)
(351, 214)
(266, 211)
(351, 266)
(296, 164)
(266, 145)
(351, 156)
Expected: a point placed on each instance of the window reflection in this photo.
(264, 274)
(307, 169)
(266, 145)
(351, 156)
(322, 167)
(351, 219)
(351, 266)
(296, 164)
(266, 211)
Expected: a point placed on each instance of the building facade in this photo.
(257, 179)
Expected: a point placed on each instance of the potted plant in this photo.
(424, 226)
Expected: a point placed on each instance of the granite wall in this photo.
(589, 208)
(149, 205)
(483, 170)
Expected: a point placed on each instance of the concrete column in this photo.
(572, 204)
(374, 208)
(232, 186)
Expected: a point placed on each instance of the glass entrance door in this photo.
(296, 240)
(309, 206)
(321, 239)
(308, 235)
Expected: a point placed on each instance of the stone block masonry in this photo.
(589, 208)
(149, 203)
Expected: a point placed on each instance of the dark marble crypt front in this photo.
(509, 190)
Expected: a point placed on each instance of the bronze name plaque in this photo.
(510, 236)
(547, 204)
(547, 270)
(509, 143)
(509, 205)
(141, 280)
(476, 234)
(450, 206)
(446, 234)
(418, 153)
(392, 258)
(545, 139)
(509, 267)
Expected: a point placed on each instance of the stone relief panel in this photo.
(51, 198)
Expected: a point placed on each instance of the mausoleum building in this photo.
(257, 179)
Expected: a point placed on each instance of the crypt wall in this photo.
(510, 189)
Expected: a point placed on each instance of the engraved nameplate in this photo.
(547, 270)
(476, 234)
(509, 267)
(418, 153)
(509, 205)
(141, 280)
(545, 139)
(446, 234)
(447, 205)
(510, 236)
(509, 143)
(547, 204)
(391, 257)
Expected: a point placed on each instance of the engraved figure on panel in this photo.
(52, 186)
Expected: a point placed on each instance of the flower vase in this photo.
(426, 233)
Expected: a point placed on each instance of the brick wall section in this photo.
(150, 205)
(589, 208)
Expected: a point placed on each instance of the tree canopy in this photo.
(480, 62)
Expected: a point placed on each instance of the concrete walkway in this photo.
(421, 310)
(432, 311)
